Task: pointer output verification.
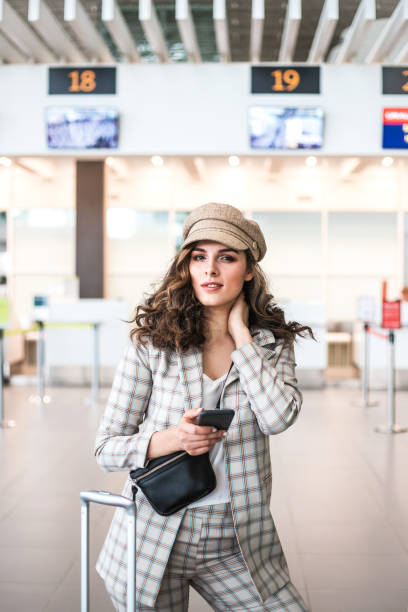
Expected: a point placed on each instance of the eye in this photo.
(229, 258)
(197, 257)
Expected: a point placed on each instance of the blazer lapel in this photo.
(191, 376)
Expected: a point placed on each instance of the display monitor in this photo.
(278, 127)
(395, 128)
(82, 128)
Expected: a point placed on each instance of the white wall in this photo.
(195, 109)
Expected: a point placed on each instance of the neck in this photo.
(216, 324)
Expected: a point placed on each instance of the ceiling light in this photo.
(109, 161)
(233, 161)
(387, 162)
(5, 161)
(157, 161)
(311, 161)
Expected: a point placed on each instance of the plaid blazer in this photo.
(151, 390)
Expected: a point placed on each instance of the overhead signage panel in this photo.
(395, 80)
(285, 79)
(84, 80)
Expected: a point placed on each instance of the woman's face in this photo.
(217, 273)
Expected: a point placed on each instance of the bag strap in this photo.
(223, 385)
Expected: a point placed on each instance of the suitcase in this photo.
(108, 499)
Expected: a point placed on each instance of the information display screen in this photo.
(84, 80)
(287, 79)
(82, 128)
(395, 128)
(277, 127)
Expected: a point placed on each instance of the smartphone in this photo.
(221, 419)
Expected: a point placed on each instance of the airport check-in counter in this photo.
(310, 356)
(378, 350)
(69, 348)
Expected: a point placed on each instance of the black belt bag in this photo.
(174, 481)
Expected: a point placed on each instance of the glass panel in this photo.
(133, 288)
(362, 252)
(138, 249)
(293, 259)
(362, 243)
(293, 241)
(288, 288)
(344, 291)
(178, 228)
(43, 254)
(44, 240)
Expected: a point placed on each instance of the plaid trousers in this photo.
(206, 555)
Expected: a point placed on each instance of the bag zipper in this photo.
(158, 467)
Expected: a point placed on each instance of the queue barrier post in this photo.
(95, 369)
(391, 426)
(41, 397)
(365, 371)
(95, 366)
(4, 424)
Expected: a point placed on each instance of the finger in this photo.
(197, 438)
(199, 444)
(199, 451)
(192, 413)
(198, 430)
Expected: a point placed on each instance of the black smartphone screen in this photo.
(221, 419)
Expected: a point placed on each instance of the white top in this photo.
(221, 494)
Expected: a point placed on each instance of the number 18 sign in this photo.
(85, 80)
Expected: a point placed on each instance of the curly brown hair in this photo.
(173, 318)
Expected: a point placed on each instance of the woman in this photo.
(212, 308)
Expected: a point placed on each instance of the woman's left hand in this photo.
(238, 318)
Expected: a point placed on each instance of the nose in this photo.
(211, 268)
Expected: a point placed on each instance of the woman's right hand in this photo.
(196, 439)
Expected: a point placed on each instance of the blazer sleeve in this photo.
(268, 379)
(119, 445)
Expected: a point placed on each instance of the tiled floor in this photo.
(340, 501)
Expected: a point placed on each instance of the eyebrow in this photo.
(219, 251)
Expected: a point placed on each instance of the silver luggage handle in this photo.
(108, 499)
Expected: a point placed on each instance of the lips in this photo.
(211, 285)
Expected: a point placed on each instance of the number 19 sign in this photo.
(63, 81)
(285, 79)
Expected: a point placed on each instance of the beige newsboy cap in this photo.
(226, 224)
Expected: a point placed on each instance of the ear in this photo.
(249, 275)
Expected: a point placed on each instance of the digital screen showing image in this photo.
(82, 128)
(277, 127)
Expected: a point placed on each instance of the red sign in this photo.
(395, 116)
(391, 315)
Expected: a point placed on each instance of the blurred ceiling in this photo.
(110, 31)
